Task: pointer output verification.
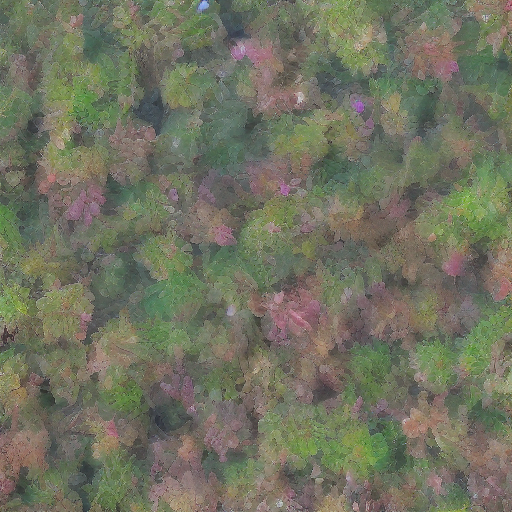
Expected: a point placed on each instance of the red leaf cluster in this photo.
(498, 273)
(270, 98)
(430, 53)
(290, 313)
(20, 449)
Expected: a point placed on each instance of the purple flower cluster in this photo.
(86, 205)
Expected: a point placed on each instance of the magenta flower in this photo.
(358, 106)
(284, 189)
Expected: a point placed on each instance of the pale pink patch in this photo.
(224, 235)
(76, 21)
(505, 289)
(297, 323)
(455, 265)
(256, 53)
(111, 429)
(284, 189)
(278, 297)
(272, 228)
(435, 481)
(238, 51)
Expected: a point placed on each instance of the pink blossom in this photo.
(455, 265)
(76, 209)
(85, 318)
(238, 51)
(444, 69)
(205, 194)
(111, 429)
(257, 54)
(224, 235)
(284, 189)
(358, 106)
(453, 66)
(94, 209)
(295, 312)
(253, 50)
(86, 205)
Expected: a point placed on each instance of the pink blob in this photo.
(284, 189)
(238, 51)
(224, 235)
(455, 265)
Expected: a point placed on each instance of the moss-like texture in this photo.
(255, 256)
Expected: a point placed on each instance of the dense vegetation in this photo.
(255, 256)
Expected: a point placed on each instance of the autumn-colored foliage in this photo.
(255, 256)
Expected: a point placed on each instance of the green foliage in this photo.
(15, 303)
(113, 483)
(82, 163)
(164, 254)
(369, 367)
(354, 33)
(225, 139)
(229, 279)
(187, 85)
(15, 111)
(337, 440)
(52, 486)
(475, 352)
(472, 213)
(13, 369)
(163, 336)
(63, 367)
(147, 211)
(49, 261)
(177, 297)
(268, 256)
(111, 279)
(182, 22)
(293, 138)
(178, 144)
(222, 381)
(121, 392)
(242, 473)
(10, 239)
(60, 310)
(436, 361)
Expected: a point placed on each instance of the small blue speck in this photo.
(203, 5)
